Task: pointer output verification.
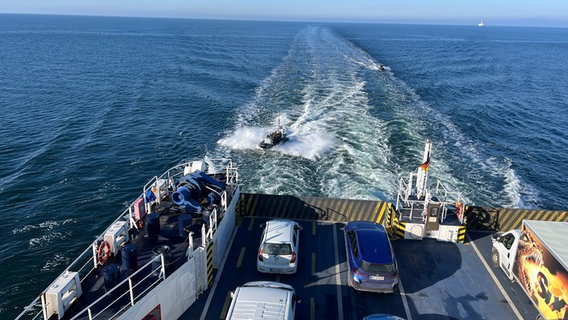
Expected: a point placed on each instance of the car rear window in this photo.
(277, 248)
(377, 268)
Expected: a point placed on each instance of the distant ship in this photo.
(481, 24)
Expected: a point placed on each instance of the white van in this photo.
(263, 300)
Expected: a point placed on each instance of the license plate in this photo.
(377, 278)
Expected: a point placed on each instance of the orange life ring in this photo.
(459, 210)
(104, 252)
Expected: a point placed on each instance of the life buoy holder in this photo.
(459, 210)
(104, 252)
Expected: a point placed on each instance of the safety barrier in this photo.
(494, 219)
(343, 210)
(311, 208)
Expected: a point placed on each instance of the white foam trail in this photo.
(320, 93)
(53, 263)
(520, 195)
(328, 122)
(514, 193)
(303, 144)
(312, 146)
(244, 138)
(47, 232)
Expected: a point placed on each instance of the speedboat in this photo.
(158, 256)
(274, 138)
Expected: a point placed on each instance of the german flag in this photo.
(425, 165)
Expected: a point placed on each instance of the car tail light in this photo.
(260, 255)
(293, 259)
(357, 271)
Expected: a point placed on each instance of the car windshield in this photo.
(277, 248)
(377, 268)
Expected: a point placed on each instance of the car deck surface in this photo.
(439, 280)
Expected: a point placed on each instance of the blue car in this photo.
(382, 316)
(370, 258)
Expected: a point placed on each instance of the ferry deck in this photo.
(439, 280)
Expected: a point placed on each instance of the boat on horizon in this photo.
(481, 24)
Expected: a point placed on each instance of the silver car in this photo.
(278, 250)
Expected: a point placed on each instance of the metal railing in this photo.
(159, 185)
(101, 305)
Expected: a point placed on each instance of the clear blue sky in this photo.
(493, 12)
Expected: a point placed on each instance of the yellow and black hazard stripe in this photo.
(210, 263)
(461, 234)
(495, 219)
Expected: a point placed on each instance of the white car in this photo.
(278, 251)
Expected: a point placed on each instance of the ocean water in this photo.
(93, 107)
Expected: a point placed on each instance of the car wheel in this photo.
(495, 258)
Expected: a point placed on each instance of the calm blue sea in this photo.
(92, 108)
